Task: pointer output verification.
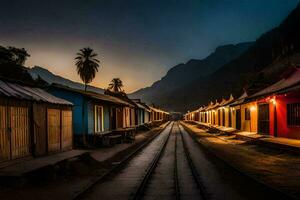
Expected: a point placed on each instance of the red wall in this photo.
(272, 120)
(281, 104)
(281, 110)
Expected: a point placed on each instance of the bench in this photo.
(128, 134)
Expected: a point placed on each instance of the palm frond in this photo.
(86, 64)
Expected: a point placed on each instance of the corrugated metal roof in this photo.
(227, 102)
(239, 100)
(157, 110)
(109, 98)
(141, 105)
(146, 106)
(29, 93)
(98, 96)
(284, 83)
(212, 106)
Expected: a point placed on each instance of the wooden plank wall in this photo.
(120, 117)
(40, 129)
(132, 117)
(67, 130)
(20, 141)
(53, 126)
(4, 137)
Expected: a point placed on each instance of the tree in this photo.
(19, 56)
(116, 85)
(87, 65)
(13, 55)
(5, 54)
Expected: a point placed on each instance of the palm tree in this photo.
(87, 65)
(116, 85)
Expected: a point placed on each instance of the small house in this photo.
(158, 115)
(277, 107)
(236, 111)
(223, 112)
(143, 112)
(94, 114)
(212, 112)
(129, 111)
(32, 122)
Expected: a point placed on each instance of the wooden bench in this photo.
(102, 138)
(115, 139)
(128, 134)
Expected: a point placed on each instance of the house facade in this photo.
(278, 107)
(157, 115)
(32, 122)
(273, 111)
(93, 113)
(143, 112)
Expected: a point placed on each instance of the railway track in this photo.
(80, 194)
(121, 183)
(186, 184)
(201, 189)
(139, 193)
(176, 181)
(174, 166)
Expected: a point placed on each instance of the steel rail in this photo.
(176, 181)
(193, 169)
(138, 194)
(117, 167)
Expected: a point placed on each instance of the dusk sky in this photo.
(137, 41)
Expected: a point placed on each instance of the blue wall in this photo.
(106, 117)
(78, 100)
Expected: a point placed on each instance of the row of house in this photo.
(273, 111)
(36, 122)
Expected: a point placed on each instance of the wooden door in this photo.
(263, 119)
(54, 132)
(66, 130)
(119, 118)
(219, 117)
(223, 117)
(19, 126)
(4, 135)
(238, 119)
(40, 130)
(229, 118)
(113, 118)
(133, 117)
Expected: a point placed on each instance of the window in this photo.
(293, 114)
(98, 119)
(247, 114)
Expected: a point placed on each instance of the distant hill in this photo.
(263, 63)
(50, 78)
(182, 75)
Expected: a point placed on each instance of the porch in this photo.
(21, 167)
(288, 144)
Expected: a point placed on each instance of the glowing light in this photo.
(273, 100)
(253, 108)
